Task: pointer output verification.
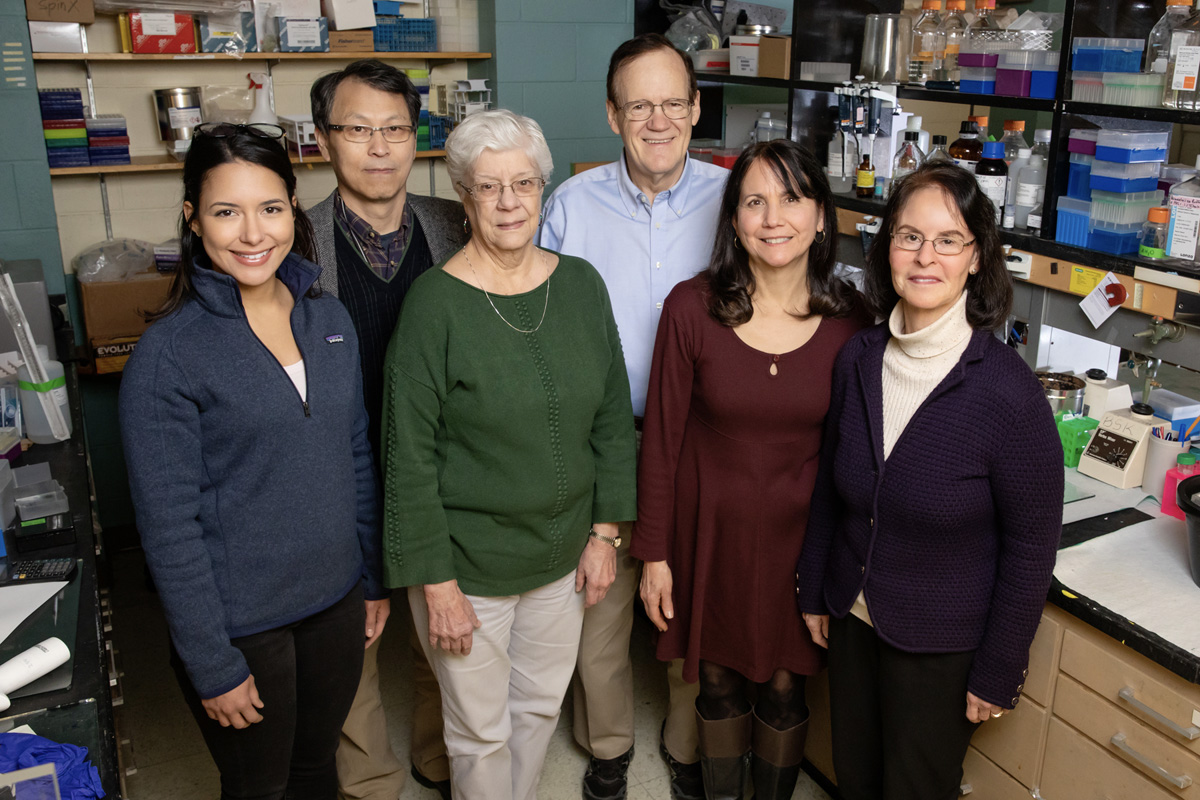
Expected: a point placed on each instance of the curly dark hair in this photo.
(731, 283)
(989, 290)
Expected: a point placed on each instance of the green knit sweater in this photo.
(500, 449)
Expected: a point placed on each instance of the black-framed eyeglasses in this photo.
(489, 191)
(221, 130)
(675, 108)
(360, 134)
(942, 245)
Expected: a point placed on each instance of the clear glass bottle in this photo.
(1158, 43)
(1010, 198)
(1153, 242)
(1031, 188)
(967, 149)
(1041, 143)
(938, 151)
(981, 122)
(954, 27)
(1013, 139)
(1184, 203)
(984, 20)
(1185, 38)
(842, 163)
(928, 43)
(908, 157)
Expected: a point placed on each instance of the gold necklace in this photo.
(493, 305)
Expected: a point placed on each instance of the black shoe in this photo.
(441, 787)
(687, 780)
(605, 777)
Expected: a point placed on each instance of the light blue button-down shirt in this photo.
(641, 250)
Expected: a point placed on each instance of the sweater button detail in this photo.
(797, 590)
(775, 358)
(862, 570)
(1016, 700)
(871, 523)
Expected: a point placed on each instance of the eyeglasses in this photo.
(396, 134)
(487, 192)
(222, 130)
(942, 245)
(638, 110)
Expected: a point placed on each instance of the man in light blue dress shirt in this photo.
(646, 222)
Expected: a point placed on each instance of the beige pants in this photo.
(367, 766)
(500, 704)
(602, 689)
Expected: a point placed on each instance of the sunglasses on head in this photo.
(221, 130)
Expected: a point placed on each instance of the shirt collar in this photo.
(361, 228)
(676, 196)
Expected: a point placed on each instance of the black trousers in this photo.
(900, 727)
(306, 674)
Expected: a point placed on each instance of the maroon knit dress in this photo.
(729, 459)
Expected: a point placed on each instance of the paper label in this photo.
(1097, 309)
(1027, 194)
(865, 178)
(184, 117)
(162, 24)
(1034, 223)
(304, 33)
(836, 168)
(1083, 279)
(993, 186)
(1145, 251)
(965, 164)
(1185, 227)
(1187, 66)
(59, 396)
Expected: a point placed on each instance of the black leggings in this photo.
(725, 694)
(306, 674)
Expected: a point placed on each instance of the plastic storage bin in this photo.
(1043, 80)
(1143, 90)
(1116, 239)
(1109, 176)
(1171, 174)
(977, 80)
(1083, 140)
(1079, 173)
(1180, 411)
(1123, 208)
(405, 35)
(1087, 87)
(1073, 216)
(1129, 147)
(1074, 433)
(974, 55)
(1014, 72)
(1107, 55)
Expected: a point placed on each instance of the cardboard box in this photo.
(110, 355)
(233, 32)
(775, 57)
(55, 37)
(162, 32)
(60, 11)
(113, 309)
(346, 15)
(303, 35)
(743, 55)
(265, 12)
(362, 41)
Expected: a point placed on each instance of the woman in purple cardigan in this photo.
(938, 505)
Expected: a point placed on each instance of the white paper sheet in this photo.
(18, 601)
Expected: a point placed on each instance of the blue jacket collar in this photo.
(219, 292)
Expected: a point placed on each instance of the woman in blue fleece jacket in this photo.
(246, 439)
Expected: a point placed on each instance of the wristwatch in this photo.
(616, 543)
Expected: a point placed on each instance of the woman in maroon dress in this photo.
(739, 388)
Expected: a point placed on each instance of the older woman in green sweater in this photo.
(508, 456)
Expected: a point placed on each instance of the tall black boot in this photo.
(777, 757)
(725, 756)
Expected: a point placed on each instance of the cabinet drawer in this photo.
(1149, 752)
(983, 780)
(1134, 683)
(1015, 740)
(1078, 769)
(1043, 658)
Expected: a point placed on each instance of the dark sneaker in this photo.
(605, 778)
(441, 787)
(687, 781)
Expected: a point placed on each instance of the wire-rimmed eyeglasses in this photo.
(675, 108)
(489, 190)
(359, 134)
(942, 245)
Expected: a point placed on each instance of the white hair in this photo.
(498, 130)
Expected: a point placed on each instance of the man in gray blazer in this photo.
(373, 239)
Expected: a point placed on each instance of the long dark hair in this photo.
(206, 153)
(989, 291)
(730, 281)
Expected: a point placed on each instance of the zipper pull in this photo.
(307, 411)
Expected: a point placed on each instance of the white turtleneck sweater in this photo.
(913, 365)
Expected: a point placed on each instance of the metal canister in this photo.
(754, 30)
(887, 40)
(1063, 390)
(178, 112)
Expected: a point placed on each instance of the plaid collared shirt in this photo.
(383, 260)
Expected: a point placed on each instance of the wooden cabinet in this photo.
(1078, 769)
(983, 780)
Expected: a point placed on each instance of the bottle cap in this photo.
(1179, 2)
(985, 3)
(914, 122)
(1160, 214)
(970, 127)
(1042, 135)
(1097, 374)
(957, 5)
(1142, 410)
(1035, 159)
(912, 136)
(939, 139)
(1024, 152)
(980, 120)
(1186, 459)
(993, 150)
(1014, 125)
(936, 5)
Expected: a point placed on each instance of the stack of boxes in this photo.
(1109, 71)
(63, 127)
(108, 140)
(457, 24)
(1014, 66)
(1122, 183)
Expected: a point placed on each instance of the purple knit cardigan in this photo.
(953, 538)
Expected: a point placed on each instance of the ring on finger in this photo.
(997, 714)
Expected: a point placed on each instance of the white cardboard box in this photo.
(743, 55)
(55, 37)
(348, 15)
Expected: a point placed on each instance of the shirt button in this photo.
(871, 522)
(372, 234)
(862, 570)
(658, 224)
(392, 263)
(658, 265)
(658, 305)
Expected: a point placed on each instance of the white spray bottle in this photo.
(262, 114)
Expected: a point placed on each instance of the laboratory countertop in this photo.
(1133, 584)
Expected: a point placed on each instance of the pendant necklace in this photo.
(493, 305)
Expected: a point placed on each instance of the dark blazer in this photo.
(953, 538)
(441, 220)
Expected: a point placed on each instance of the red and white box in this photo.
(163, 32)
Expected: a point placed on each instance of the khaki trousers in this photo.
(367, 766)
(500, 704)
(602, 689)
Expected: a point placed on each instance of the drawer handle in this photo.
(1189, 733)
(965, 790)
(1179, 782)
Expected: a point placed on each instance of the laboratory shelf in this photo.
(167, 163)
(749, 80)
(966, 98)
(344, 56)
(1131, 112)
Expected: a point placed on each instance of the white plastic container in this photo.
(37, 427)
(1184, 233)
(1031, 186)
